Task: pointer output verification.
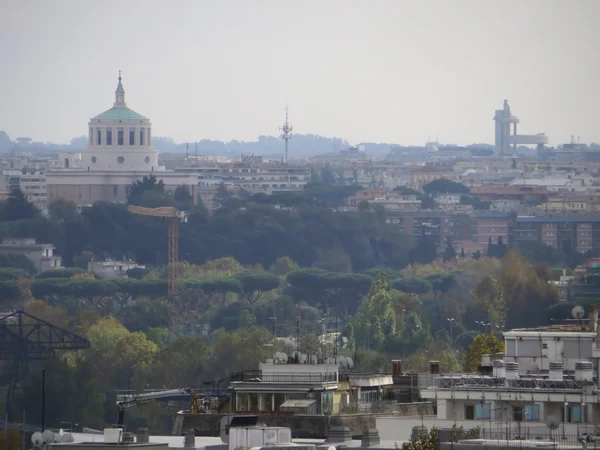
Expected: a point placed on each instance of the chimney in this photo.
(396, 367)
(593, 322)
(434, 367)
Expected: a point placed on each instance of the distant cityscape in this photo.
(528, 192)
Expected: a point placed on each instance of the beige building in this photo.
(33, 186)
(41, 255)
(119, 152)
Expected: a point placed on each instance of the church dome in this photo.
(120, 139)
(119, 109)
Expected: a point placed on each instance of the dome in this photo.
(119, 113)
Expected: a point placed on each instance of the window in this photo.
(99, 133)
(132, 136)
(120, 136)
(518, 413)
(147, 159)
(532, 412)
(141, 136)
(120, 160)
(91, 136)
(115, 190)
(94, 159)
(483, 411)
(575, 414)
(109, 136)
(469, 412)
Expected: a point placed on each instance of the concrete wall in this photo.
(310, 427)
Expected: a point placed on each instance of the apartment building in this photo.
(492, 225)
(546, 374)
(581, 233)
(33, 186)
(433, 224)
(266, 177)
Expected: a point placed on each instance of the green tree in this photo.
(378, 319)
(449, 252)
(255, 284)
(183, 198)
(425, 441)
(149, 193)
(17, 207)
(483, 344)
(488, 294)
(443, 186)
(17, 261)
(61, 210)
(283, 265)
(413, 285)
(181, 363)
(67, 272)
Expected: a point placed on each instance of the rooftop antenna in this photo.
(196, 162)
(286, 129)
(187, 153)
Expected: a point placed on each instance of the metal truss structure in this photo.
(24, 338)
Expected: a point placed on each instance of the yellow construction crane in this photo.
(174, 217)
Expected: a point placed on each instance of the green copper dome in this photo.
(119, 113)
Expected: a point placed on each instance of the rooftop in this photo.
(119, 113)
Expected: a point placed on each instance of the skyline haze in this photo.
(395, 72)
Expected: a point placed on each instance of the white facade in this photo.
(534, 350)
(119, 153)
(33, 186)
(112, 268)
(120, 139)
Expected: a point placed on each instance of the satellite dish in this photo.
(36, 439)
(578, 312)
(48, 436)
(552, 422)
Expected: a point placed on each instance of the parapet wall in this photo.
(308, 427)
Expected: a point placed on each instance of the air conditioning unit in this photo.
(113, 435)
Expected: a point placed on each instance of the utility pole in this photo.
(451, 322)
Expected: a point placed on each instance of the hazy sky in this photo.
(367, 71)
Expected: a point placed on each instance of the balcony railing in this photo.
(250, 376)
(473, 383)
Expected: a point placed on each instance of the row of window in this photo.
(482, 411)
(120, 136)
(527, 413)
(121, 160)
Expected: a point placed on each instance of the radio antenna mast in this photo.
(286, 135)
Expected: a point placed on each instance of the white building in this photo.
(546, 374)
(33, 186)
(111, 268)
(119, 152)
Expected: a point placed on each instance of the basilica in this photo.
(119, 152)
